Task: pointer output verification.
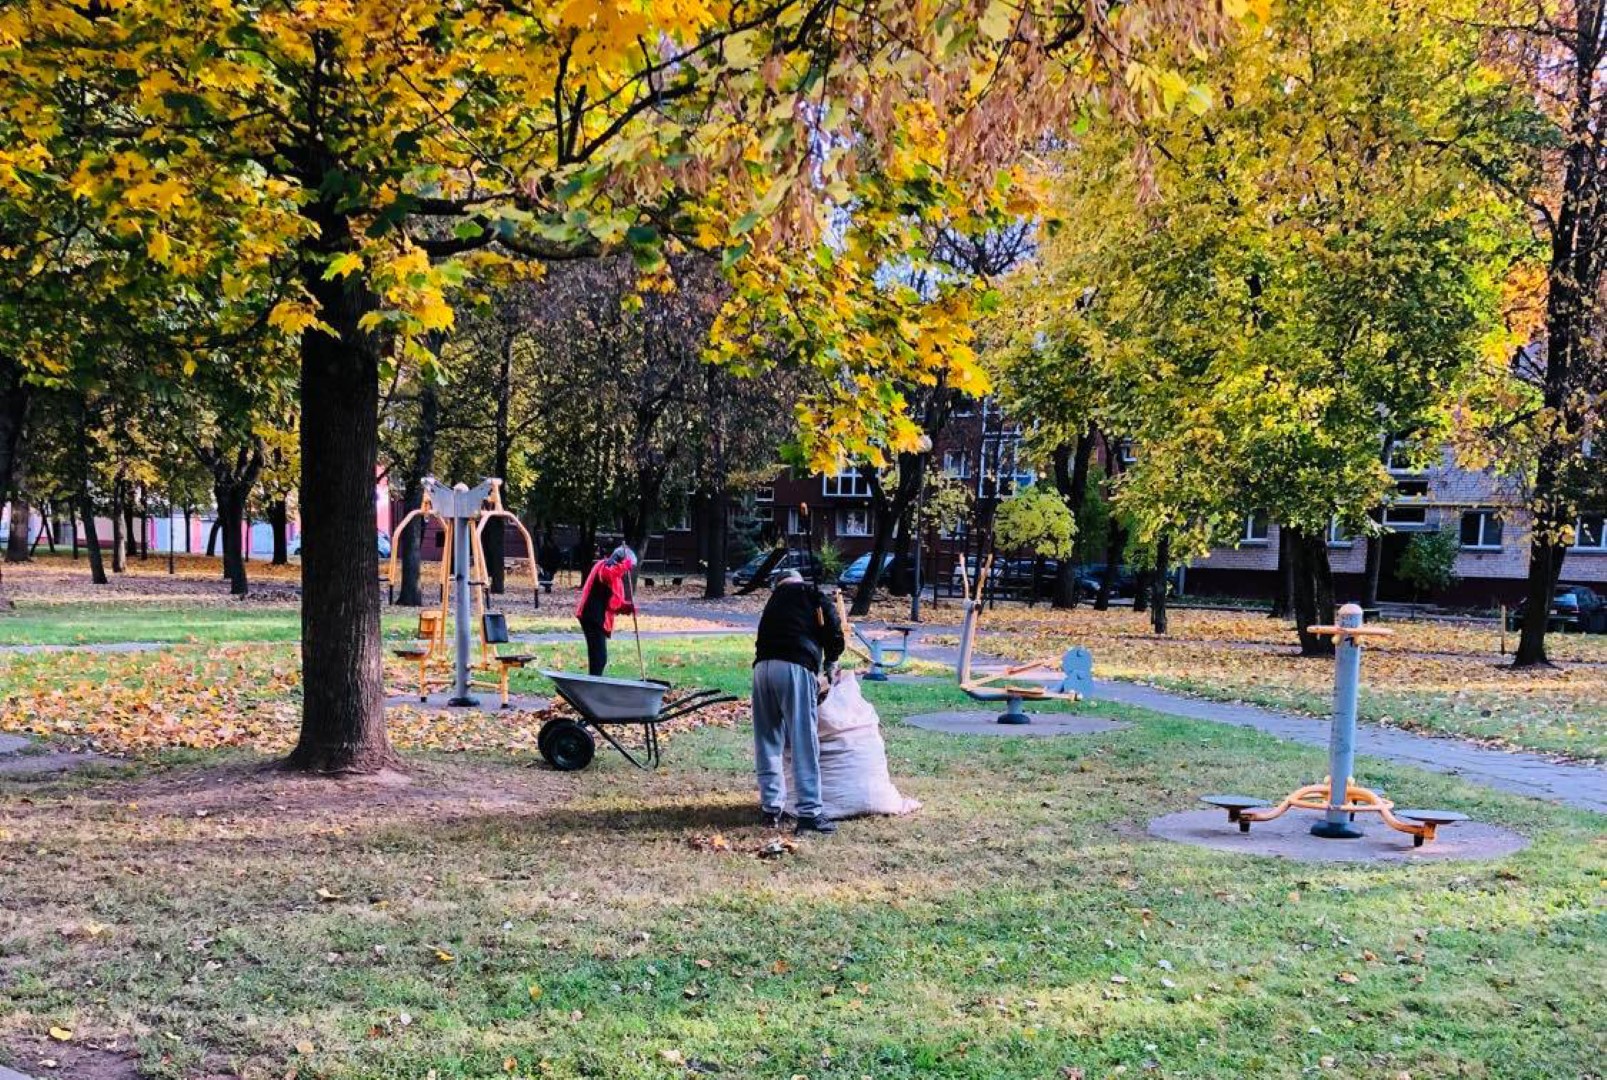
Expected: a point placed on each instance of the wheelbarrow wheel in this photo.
(546, 731)
(568, 746)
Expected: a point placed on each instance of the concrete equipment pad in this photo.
(490, 702)
(987, 723)
(1289, 837)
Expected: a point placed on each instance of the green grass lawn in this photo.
(493, 918)
(34, 623)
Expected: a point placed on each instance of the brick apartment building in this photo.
(1485, 511)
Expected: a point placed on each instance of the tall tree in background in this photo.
(367, 140)
(1307, 275)
(1551, 161)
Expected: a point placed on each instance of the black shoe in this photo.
(822, 825)
(772, 819)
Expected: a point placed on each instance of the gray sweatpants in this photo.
(784, 716)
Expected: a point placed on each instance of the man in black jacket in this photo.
(797, 632)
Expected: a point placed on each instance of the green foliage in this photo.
(831, 558)
(1429, 561)
(1037, 519)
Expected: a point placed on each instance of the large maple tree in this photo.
(383, 152)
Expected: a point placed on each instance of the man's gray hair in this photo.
(790, 577)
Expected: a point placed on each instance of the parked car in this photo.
(383, 545)
(1034, 576)
(1090, 576)
(958, 581)
(1574, 607)
(802, 561)
(856, 570)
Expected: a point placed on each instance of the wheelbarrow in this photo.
(567, 743)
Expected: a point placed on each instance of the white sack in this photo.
(853, 758)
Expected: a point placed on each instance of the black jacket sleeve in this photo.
(831, 630)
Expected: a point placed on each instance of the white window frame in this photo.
(793, 525)
(1247, 533)
(1337, 536)
(1601, 534)
(1415, 509)
(766, 495)
(846, 483)
(850, 514)
(963, 472)
(1125, 452)
(1486, 515)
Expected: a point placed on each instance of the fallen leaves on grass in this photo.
(238, 696)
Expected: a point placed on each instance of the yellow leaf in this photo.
(535, 992)
(159, 247)
(61, 1034)
(341, 265)
(445, 957)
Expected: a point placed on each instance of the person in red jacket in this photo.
(601, 598)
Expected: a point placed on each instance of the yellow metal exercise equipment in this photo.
(430, 645)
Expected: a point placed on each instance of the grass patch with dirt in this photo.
(201, 918)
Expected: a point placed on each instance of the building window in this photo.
(1339, 536)
(845, 483)
(794, 526)
(853, 523)
(1405, 457)
(957, 463)
(1481, 529)
(765, 494)
(1124, 452)
(1003, 473)
(1410, 506)
(965, 405)
(1591, 533)
(1257, 528)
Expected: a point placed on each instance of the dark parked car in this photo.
(802, 561)
(856, 570)
(1091, 575)
(1574, 607)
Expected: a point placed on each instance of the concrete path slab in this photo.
(1289, 837)
(987, 723)
(12, 1074)
(91, 647)
(54, 762)
(11, 744)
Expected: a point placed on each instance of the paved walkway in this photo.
(1584, 786)
(1519, 772)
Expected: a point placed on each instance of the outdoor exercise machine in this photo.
(1340, 803)
(883, 652)
(463, 514)
(1075, 667)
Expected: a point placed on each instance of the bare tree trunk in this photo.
(1313, 592)
(279, 522)
(118, 553)
(17, 542)
(97, 566)
(712, 523)
(1283, 585)
(1115, 542)
(1071, 478)
(343, 704)
(231, 499)
(1163, 563)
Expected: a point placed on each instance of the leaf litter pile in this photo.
(235, 697)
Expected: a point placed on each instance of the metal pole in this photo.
(460, 587)
(1336, 823)
(920, 506)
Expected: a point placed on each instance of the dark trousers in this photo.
(596, 646)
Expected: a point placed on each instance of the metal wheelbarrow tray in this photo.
(568, 744)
